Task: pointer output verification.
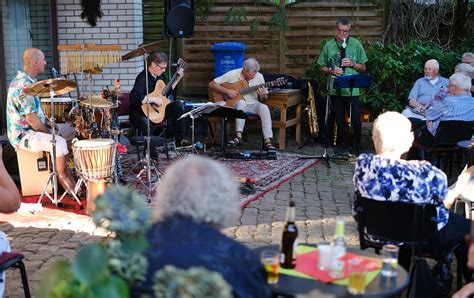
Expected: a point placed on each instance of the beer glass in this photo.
(357, 276)
(270, 260)
(390, 260)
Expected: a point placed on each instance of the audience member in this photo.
(384, 176)
(468, 58)
(195, 198)
(10, 201)
(459, 105)
(423, 92)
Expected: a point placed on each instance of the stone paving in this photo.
(320, 194)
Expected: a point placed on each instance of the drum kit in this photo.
(93, 116)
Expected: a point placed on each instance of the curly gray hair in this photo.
(198, 188)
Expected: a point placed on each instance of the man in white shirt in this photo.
(249, 103)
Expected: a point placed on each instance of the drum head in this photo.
(59, 100)
(93, 143)
(97, 102)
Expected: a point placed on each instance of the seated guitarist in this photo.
(157, 64)
(249, 103)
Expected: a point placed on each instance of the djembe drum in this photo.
(62, 105)
(94, 161)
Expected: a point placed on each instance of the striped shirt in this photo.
(460, 108)
(424, 92)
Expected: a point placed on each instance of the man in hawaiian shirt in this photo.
(28, 128)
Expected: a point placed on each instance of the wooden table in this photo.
(284, 99)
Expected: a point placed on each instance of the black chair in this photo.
(15, 260)
(448, 134)
(414, 226)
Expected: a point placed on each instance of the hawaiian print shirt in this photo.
(383, 179)
(20, 104)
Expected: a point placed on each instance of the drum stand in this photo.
(53, 176)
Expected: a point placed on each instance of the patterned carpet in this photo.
(268, 174)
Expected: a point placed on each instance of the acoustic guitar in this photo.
(157, 113)
(243, 88)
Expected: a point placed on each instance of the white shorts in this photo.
(35, 141)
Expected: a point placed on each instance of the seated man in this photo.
(384, 176)
(468, 58)
(195, 198)
(423, 93)
(28, 128)
(459, 105)
(250, 103)
(157, 64)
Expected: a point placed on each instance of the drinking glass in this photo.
(325, 255)
(270, 260)
(390, 260)
(357, 276)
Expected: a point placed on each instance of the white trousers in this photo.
(35, 141)
(261, 110)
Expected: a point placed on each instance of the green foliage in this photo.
(171, 282)
(235, 15)
(203, 8)
(395, 69)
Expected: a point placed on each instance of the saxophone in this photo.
(311, 113)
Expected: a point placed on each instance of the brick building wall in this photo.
(121, 24)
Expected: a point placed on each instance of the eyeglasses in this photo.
(345, 31)
(161, 67)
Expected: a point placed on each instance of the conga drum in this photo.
(62, 105)
(94, 161)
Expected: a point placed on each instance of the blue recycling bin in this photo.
(227, 56)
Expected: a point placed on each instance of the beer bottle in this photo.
(289, 242)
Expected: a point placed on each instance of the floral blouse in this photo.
(413, 181)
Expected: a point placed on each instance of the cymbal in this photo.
(95, 70)
(145, 49)
(57, 86)
(96, 100)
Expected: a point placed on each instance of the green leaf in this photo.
(90, 264)
(111, 287)
(134, 244)
(54, 279)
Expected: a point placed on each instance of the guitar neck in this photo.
(254, 88)
(169, 85)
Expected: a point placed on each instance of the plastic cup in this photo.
(389, 260)
(325, 256)
(270, 260)
(357, 277)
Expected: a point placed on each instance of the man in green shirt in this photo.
(344, 55)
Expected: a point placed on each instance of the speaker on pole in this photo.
(179, 18)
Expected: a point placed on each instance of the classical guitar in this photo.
(243, 88)
(157, 113)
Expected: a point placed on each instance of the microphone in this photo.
(54, 73)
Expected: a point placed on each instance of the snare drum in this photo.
(62, 105)
(94, 162)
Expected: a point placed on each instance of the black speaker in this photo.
(179, 18)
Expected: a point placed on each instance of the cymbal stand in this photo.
(53, 176)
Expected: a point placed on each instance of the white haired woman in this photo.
(385, 176)
(195, 198)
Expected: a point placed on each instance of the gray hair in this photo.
(200, 189)
(468, 54)
(252, 65)
(343, 22)
(433, 62)
(461, 81)
(392, 132)
(464, 68)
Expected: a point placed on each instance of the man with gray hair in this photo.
(423, 92)
(196, 197)
(459, 105)
(249, 103)
(468, 58)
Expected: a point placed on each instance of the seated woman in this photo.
(195, 198)
(385, 176)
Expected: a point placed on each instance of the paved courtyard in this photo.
(320, 194)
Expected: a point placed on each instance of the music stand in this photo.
(196, 113)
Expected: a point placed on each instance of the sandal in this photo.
(235, 142)
(268, 146)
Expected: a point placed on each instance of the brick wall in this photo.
(121, 24)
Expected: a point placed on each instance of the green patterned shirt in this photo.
(20, 104)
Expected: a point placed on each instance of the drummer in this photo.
(28, 128)
(157, 64)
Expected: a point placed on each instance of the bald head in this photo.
(431, 69)
(33, 62)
